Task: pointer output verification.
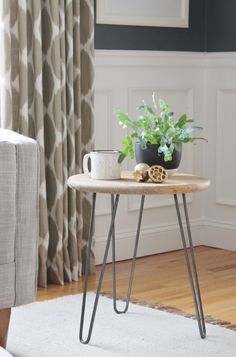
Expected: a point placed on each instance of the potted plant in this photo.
(156, 138)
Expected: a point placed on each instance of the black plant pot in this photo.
(151, 156)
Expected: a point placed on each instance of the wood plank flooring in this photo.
(162, 278)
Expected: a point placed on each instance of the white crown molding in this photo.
(119, 58)
(225, 60)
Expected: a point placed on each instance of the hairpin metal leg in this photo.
(85, 341)
(191, 266)
(131, 277)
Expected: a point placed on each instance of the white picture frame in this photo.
(164, 13)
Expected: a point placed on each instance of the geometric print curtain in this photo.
(47, 93)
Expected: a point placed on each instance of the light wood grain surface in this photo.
(177, 183)
(162, 278)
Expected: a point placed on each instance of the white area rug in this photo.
(50, 329)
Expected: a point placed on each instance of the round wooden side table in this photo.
(175, 185)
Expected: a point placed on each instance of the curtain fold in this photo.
(48, 93)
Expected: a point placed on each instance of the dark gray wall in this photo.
(221, 25)
(212, 28)
(156, 38)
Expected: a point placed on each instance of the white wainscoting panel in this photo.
(204, 86)
(219, 210)
(123, 79)
(103, 105)
(226, 154)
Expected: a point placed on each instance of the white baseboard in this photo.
(157, 239)
(219, 235)
(160, 239)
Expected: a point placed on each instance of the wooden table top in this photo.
(177, 183)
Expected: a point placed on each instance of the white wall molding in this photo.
(119, 58)
(103, 103)
(220, 199)
(223, 60)
(200, 84)
(225, 137)
(174, 59)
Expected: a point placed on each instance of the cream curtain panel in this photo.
(47, 73)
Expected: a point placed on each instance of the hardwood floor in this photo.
(162, 278)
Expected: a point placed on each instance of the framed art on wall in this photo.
(164, 13)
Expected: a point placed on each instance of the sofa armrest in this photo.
(19, 209)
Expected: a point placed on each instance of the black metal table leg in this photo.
(191, 266)
(89, 243)
(132, 269)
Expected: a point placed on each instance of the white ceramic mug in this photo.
(104, 164)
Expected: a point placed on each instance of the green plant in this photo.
(156, 125)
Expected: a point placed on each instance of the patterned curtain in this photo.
(47, 93)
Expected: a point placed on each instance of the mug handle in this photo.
(85, 164)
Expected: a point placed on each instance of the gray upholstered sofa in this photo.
(19, 185)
